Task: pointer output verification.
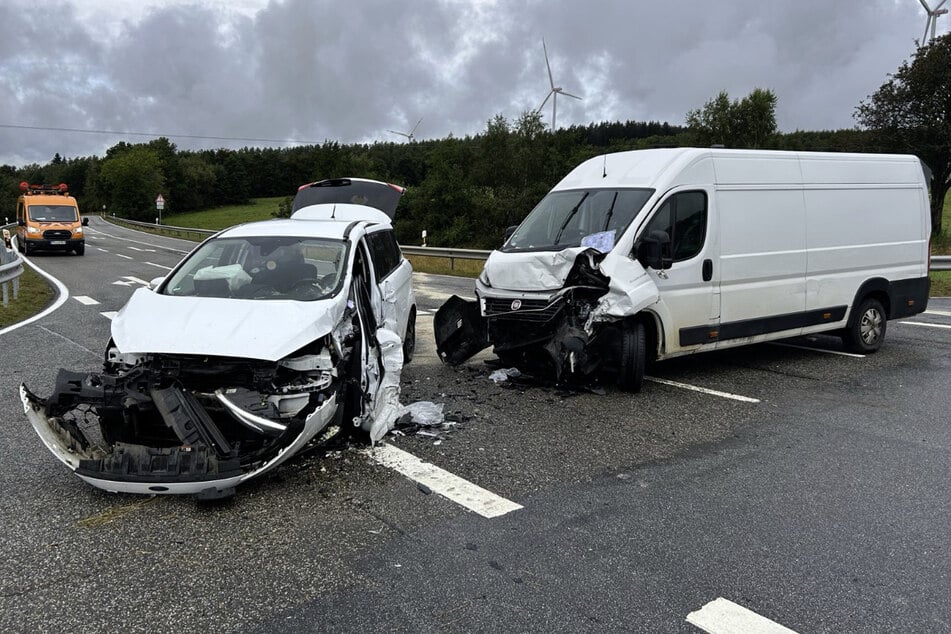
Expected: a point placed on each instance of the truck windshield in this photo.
(54, 213)
(565, 218)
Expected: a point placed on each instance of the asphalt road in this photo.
(824, 506)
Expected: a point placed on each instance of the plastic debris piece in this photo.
(425, 413)
(504, 374)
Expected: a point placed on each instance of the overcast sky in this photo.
(314, 70)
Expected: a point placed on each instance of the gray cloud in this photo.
(315, 70)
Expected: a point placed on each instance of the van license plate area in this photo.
(57, 242)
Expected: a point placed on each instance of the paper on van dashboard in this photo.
(602, 241)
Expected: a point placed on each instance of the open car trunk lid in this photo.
(355, 191)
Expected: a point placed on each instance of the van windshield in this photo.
(566, 218)
(53, 213)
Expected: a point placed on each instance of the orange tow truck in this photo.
(48, 219)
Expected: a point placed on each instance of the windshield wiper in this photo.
(607, 220)
(571, 214)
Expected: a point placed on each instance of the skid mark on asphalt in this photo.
(113, 513)
(722, 616)
(448, 485)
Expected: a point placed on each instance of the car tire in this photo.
(409, 338)
(633, 358)
(867, 331)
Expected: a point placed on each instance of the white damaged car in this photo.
(264, 339)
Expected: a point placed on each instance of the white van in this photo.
(653, 254)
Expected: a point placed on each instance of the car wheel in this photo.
(633, 358)
(409, 338)
(867, 332)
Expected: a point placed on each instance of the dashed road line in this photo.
(943, 313)
(703, 390)
(838, 352)
(160, 266)
(143, 250)
(921, 323)
(722, 616)
(127, 257)
(83, 299)
(101, 249)
(110, 314)
(448, 485)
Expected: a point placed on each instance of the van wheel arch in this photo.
(877, 288)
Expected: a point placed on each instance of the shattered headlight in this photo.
(484, 278)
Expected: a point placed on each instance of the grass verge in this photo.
(941, 284)
(224, 217)
(35, 295)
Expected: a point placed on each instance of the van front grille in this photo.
(529, 310)
(57, 234)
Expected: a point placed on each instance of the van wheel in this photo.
(409, 338)
(866, 334)
(25, 248)
(633, 358)
(80, 250)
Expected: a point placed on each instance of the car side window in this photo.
(385, 252)
(683, 217)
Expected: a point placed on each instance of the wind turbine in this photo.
(932, 19)
(557, 90)
(409, 135)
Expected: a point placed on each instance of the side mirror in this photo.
(21, 223)
(154, 284)
(510, 231)
(654, 251)
(85, 221)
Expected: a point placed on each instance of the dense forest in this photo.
(463, 191)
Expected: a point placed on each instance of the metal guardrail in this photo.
(938, 262)
(11, 267)
(200, 234)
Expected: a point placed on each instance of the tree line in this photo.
(465, 191)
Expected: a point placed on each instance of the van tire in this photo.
(633, 358)
(867, 331)
(80, 250)
(25, 247)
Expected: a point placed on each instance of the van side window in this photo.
(683, 217)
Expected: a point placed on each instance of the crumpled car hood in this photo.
(257, 329)
(531, 271)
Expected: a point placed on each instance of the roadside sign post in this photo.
(159, 205)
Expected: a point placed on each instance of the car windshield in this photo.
(271, 267)
(53, 213)
(591, 217)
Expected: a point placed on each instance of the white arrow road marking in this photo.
(82, 299)
(159, 266)
(135, 279)
(721, 616)
(110, 314)
(459, 490)
(121, 283)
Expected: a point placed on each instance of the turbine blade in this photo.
(550, 93)
(547, 65)
(416, 126)
(568, 94)
(924, 38)
(940, 4)
(925, 5)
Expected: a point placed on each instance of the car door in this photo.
(393, 277)
(689, 304)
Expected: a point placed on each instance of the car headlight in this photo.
(32, 230)
(484, 278)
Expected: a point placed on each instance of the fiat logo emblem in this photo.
(516, 304)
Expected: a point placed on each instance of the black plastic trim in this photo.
(762, 325)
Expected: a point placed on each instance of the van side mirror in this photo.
(654, 251)
(510, 231)
(21, 223)
(85, 221)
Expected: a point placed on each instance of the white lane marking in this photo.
(451, 486)
(423, 311)
(844, 354)
(83, 299)
(103, 250)
(62, 291)
(721, 616)
(148, 244)
(703, 390)
(921, 323)
(122, 283)
(127, 257)
(135, 279)
(143, 250)
(943, 313)
(159, 266)
(110, 314)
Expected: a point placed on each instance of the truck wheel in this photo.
(633, 358)
(867, 332)
(409, 338)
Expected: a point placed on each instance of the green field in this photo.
(35, 295)
(224, 217)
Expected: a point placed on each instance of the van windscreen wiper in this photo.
(571, 214)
